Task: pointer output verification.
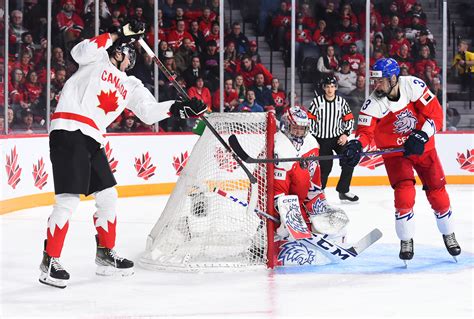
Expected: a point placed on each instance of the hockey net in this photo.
(200, 230)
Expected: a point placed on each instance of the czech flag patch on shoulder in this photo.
(426, 97)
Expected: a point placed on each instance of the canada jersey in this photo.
(98, 92)
(390, 123)
(294, 178)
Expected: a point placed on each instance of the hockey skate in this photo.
(406, 250)
(110, 264)
(452, 245)
(348, 198)
(52, 272)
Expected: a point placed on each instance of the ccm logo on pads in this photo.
(364, 120)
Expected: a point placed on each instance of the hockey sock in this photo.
(105, 220)
(58, 222)
(444, 222)
(405, 223)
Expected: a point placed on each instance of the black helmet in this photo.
(330, 79)
(124, 48)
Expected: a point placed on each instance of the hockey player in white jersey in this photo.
(303, 179)
(90, 100)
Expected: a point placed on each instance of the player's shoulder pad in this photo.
(283, 148)
(309, 144)
(374, 107)
(414, 87)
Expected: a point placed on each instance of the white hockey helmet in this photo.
(295, 123)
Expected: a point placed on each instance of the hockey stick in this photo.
(319, 241)
(237, 148)
(184, 94)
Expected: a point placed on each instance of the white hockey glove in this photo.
(188, 108)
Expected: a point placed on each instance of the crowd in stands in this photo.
(188, 33)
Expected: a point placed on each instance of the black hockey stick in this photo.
(237, 148)
(184, 94)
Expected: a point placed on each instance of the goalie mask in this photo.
(295, 125)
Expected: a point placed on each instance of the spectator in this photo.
(25, 63)
(16, 30)
(253, 52)
(356, 97)
(248, 69)
(463, 63)
(17, 92)
(346, 12)
(144, 70)
(193, 72)
(206, 21)
(302, 38)
(192, 10)
(240, 40)
(179, 17)
(163, 47)
(27, 44)
(231, 54)
(331, 16)
(169, 11)
(27, 125)
(308, 21)
(231, 97)
(2, 124)
(398, 41)
(210, 63)
(197, 35)
(11, 118)
(280, 23)
(263, 95)
(33, 88)
(416, 23)
(392, 11)
(355, 59)
(377, 54)
(240, 88)
(214, 7)
(175, 37)
(378, 44)
(390, 30)
(346, 35)
(279, 98)
(250, 105)
(346, 79)
(420, 64)
(404, 71)
(422, 41)
(128, 124)
(201, 92)
(452, 119)
(416, 9)
(375, 20)
(214, 34)
(321, 36)
(59, 79)
(70, 24)
(184, 55)
(328, 63)
(404, 60)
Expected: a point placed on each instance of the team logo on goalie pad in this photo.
(294, 252)
(318, 207)
(294, 220)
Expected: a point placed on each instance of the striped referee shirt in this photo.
(330, 118)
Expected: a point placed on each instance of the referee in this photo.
(331, 125)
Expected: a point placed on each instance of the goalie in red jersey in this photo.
(402, 111)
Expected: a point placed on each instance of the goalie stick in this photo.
(184, 94)
(319, 241)
(237, 148)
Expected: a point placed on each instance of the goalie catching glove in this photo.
(187, 108)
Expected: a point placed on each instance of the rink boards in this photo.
(149, 164)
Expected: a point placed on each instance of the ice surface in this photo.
(374, 285)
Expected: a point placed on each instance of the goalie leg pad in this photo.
(290, 216)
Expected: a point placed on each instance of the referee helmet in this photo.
(330, 79)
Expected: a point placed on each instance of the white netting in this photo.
(201, 230)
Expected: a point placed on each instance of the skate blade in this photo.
(48, 280)
(405, 264)
(112, 271)
(348, 202)
(455, 258)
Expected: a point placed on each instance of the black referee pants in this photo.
(326, 147)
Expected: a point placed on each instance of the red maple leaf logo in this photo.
(112, 161)
(179, 162)
(108, 101)
(144, 168)
(13, 169)
(39, 174)
(466, 162)
(225, 160)
(371, 162)
(100, 40)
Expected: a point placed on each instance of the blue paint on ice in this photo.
(383, 259)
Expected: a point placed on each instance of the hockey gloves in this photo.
(352, 153)
(187, 108)
(415, 144)
(132, 30)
